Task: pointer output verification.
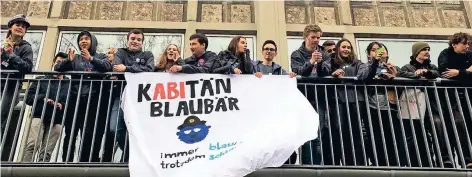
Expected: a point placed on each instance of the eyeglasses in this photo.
(269, 49)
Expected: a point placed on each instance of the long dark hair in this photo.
(338, 60)
(233, 45)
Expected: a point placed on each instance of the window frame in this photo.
(59, 39)
(391, 40)
(254, 39)
(41, 45)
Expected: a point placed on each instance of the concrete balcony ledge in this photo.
(121, 170)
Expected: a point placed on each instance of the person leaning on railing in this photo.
(343, 63)
(169, 58)
(85, 95)
(131, 59)
(236, 59)
(304, 62)
(420, 67)
(455, 62)
(48, 93)
(382, 101)
(16, 54)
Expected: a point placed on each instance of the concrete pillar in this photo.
(270, 22)
(49, 48)
(468, 11)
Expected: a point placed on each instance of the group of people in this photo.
(85, 102)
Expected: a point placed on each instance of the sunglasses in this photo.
(269, 49)
(330, 50)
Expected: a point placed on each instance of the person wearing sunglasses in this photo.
(267, 66)
(329, 46)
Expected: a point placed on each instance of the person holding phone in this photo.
(304, 62)
(16, 54)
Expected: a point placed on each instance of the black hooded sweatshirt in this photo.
(203, 64)
(98, 63)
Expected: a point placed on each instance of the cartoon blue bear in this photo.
(193, 130)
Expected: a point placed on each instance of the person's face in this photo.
(313, 39)
(372, 51)
(330, 49)
(242, 45)
(85, 42)
(345, 49)
(424, 54)
(172, 51)
(58, 59)
(135, 42)
(18, 29)
(269, 52)
(196, 47)
(461, 47)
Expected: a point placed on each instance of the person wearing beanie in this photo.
(420, 64)
(16, 54)
(89, 95)
(420, 67)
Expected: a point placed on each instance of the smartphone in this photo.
(379, 51)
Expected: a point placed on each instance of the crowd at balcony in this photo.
(87, 107)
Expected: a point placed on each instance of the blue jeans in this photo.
(118, 127)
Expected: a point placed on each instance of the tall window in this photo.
(36, 39)
(154, 42)
(217, 43)
(294, 43)
(399, 50)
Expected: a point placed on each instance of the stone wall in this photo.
(386, 13)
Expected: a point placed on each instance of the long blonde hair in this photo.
(163, 59)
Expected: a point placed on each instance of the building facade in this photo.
(394, 22)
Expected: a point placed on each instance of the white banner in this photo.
(205, 125)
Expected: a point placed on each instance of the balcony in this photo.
(401, 127)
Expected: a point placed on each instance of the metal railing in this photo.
(396, 124)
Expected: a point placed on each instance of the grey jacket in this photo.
(363, 72)
(300, 60)
(99, 63)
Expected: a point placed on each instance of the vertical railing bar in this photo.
(382, 132)
(343, 159)
(443, 123)
(405, 143)
(435, 136)
(351, 138)
(389, 112)
(84, 127)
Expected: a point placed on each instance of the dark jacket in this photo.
(99, 63)
(382, 101)
(408, 71)
(229, 62)
(203, 64)
(276, 68)
(452, 60)
(135, 62)
(178, 62)
(355, 68)
(39, 92)
(300, 60)
(21, 60)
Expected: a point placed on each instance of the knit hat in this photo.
(417, 48)
(18, 18)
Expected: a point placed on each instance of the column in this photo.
(270, 22)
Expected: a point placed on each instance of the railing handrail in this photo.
(299, 78)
